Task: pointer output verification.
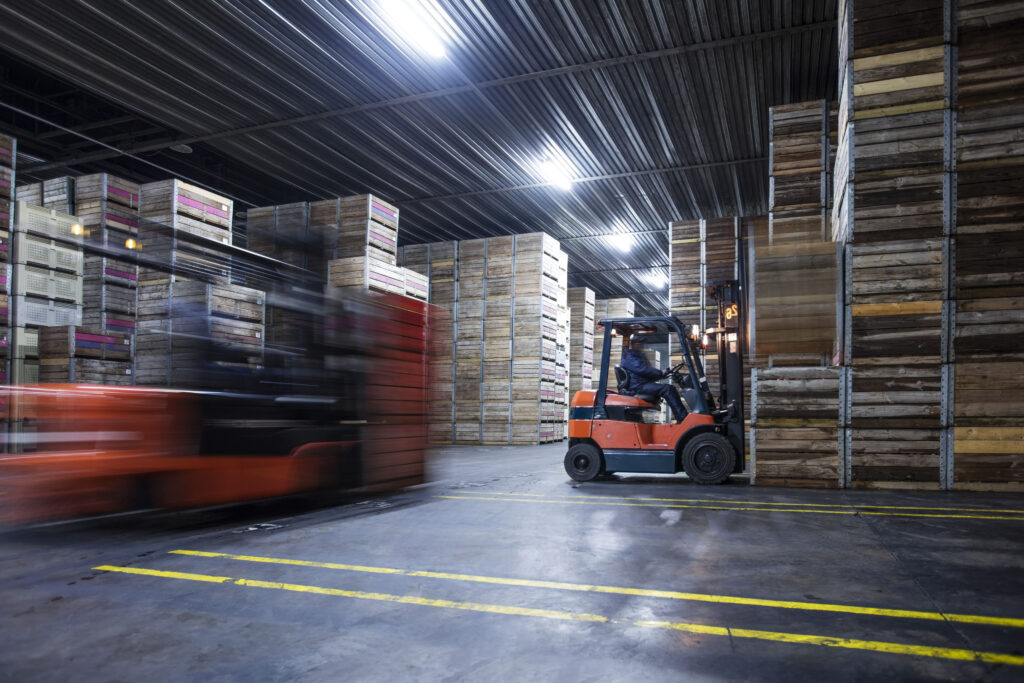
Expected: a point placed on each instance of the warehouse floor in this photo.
(503, 569)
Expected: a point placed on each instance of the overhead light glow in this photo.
(556, 173)
(656, 279)
(622, 241)
(418, 22)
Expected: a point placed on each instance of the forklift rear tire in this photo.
(709, 458)
(583, 462)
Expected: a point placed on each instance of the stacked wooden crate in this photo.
(794, 424)
(892, 209)
(581, 339)
(686, 294)
(720, 239)
(563, 349)
(469, 320)
(609, 308)
(54, 193)
(188, 330)
(109, 210)
(84, 355)
(8, 154)
(46, 277)
(496, 415)
(360, 234)
(988, 444)
(183, 227)
(535, 404)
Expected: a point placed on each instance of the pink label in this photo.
(4, 183)
(382, 238)
(120, 273)
(132, 198)
(188, 201)
(384, 278)
(85, 336)
(4, 216)
(120, 323)
(119, 219)
(6, 152)
(3, 311)
(383, 209)
(3, 247)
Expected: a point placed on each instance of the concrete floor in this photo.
(797, 565)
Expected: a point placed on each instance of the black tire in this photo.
(709, 458)
(583, 462)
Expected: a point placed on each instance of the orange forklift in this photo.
(607, 430)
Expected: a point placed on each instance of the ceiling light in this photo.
(181, 149)
(418, 23)
(622, 241)
(555, 173)
(656, 279)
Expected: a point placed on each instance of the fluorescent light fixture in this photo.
(418, 22)
(622, 241)
(555, 173)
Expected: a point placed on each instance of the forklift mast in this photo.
(728, 335)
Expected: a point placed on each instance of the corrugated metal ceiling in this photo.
(659, 106)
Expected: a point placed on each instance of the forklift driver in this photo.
(643, 378)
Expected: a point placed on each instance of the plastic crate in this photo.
(43, 312)
(47, 222)
(48, 253)
(47, 284)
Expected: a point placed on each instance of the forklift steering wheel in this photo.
(674, 369)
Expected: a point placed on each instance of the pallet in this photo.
(62, 343)
(204, 211)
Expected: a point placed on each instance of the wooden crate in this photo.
(283, 232)
(61, 343)
(205, 212)
(363, 272)
(795, 427)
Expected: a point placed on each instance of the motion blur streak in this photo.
(343, 409)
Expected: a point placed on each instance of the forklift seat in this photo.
(622, 378)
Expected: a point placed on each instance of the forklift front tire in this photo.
(583, 462)
(709, 458)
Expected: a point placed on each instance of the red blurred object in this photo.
(77, 450)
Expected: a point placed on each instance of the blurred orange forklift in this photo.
(607, 431)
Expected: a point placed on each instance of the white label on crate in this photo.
(128, 371)
(224, 240)
(223, 207)
(125, 341)
(257, 335)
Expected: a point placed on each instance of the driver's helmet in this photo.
(637, 339)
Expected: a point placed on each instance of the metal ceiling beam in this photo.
(608, 176)
(447, 92)
(116, 121)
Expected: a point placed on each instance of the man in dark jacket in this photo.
(643, 377)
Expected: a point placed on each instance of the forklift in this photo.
(607, 430)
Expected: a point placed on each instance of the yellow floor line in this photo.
(782, 637)
(571, 501)
(846, 643)
(361, 595)
(750, 502)
(618, 590)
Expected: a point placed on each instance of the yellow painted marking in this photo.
(897, 84)
(743, 509)
(754, 502)
(619, 590)
(796, 638)
(361, 595)
(847, 643)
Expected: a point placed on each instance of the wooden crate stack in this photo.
(988, 443)
(581, 339)
(361, 235)
(794, 428)
(55, 193)
(187, 327)
(892, 210)
(686, 295)
(438, 263)
(109, 210)
(84, 355)
(177, 222)
(469, 345)
(563, 348)
(536, 407)
(609, 308)
(496, 416)
(46, 276)
(720, 261)
(496, 378)
(8, 154)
